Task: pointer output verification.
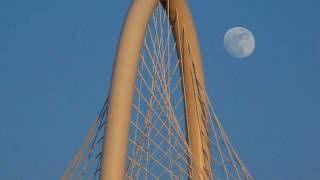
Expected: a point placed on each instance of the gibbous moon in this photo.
(239, 42)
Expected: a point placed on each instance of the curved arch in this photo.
(123, 79)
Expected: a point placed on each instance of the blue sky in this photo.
(56, 59)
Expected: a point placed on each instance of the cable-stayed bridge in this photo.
(157, 121)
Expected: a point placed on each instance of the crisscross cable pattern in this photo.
(158, 146)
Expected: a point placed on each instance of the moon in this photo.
(239, 42)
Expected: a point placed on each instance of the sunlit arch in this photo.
(158, 122)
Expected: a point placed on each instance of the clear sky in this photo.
(56, 58)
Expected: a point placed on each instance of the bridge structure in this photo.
(157, 121)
